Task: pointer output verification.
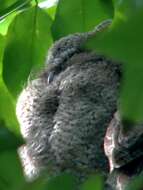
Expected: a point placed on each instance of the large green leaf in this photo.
(94, 182)
(62, 182)
(8, 6)
(52, 11)
(11, 175)
(8, 140)
(123, 41)
(2, 45)
(7, 110)
(27, 43)
(80, 15)
(38, 184)
(5, 23)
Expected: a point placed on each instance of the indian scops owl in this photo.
(64, 112)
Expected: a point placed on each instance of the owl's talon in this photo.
(50, 77)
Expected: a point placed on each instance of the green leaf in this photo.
(39, 1)
(52, 11)
(94, 182)
(80, 16)
(7, 110)
(8, 140)
(38, 184)
(5, 23)
(11, 175)
(62, 182)
(27, 44)
(9, 6)
(2, 46)
(123, 41)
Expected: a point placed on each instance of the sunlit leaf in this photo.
(7, 110)
(2, 45)
(52, 11)
(9, 6)
(5, 23)
(26, 48)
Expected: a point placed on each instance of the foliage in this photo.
(124, 42)
(26, 33)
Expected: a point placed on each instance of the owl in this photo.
(64, 112)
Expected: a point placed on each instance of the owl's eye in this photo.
(58, 49)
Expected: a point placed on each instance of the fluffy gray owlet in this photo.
(64, 112)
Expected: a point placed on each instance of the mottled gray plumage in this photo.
(64, 113)
(124, 152)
